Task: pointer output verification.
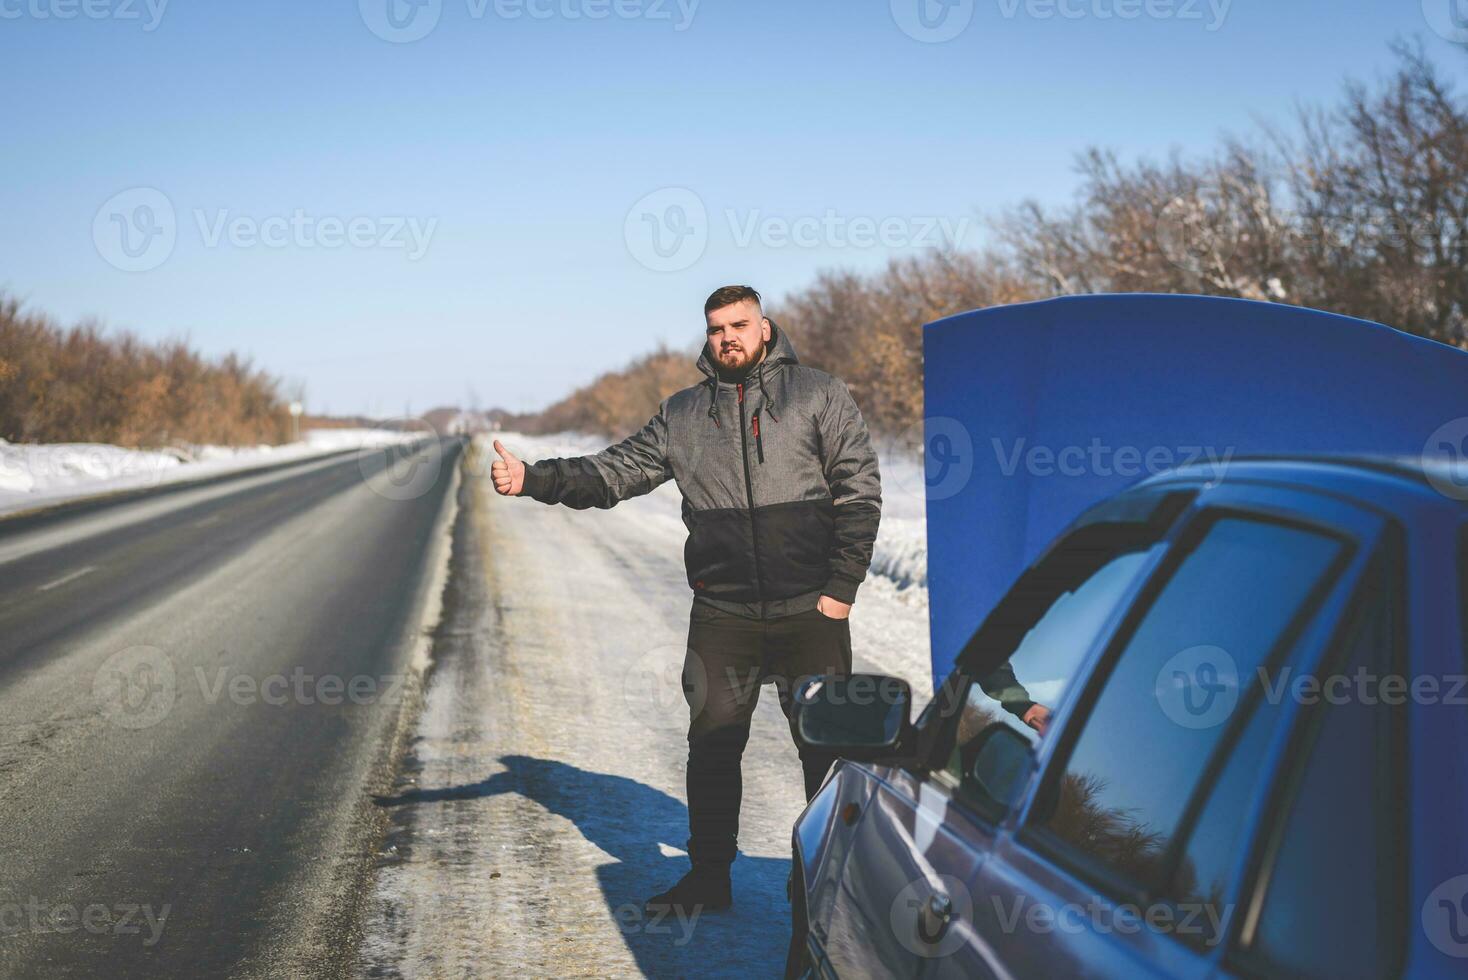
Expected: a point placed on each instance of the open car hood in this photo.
(1036, 411)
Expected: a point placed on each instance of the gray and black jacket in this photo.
(781, 492)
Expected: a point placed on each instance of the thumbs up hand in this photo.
(507, 472)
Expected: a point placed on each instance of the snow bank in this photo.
(35, 475)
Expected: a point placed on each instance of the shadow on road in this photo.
(629, 820)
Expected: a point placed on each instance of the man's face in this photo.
(737, 334)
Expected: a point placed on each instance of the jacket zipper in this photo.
(759, 443)
(759, 582)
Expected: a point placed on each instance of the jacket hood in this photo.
(779, 351)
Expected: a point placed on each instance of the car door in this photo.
(905, 906)
(1123, 858)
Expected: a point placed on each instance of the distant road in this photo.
(198, 690)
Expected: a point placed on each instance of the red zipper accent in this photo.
(741, 394)
(756, 425)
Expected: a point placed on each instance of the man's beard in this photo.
(746, 362)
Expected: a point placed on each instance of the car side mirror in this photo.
(998, 765)
(862, 717)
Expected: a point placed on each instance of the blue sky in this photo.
(395, 221)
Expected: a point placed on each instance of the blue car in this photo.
(1251, 764)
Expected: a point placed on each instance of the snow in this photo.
(39, 475)
(889, 624)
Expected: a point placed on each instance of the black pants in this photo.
(729, 658)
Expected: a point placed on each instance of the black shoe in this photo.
(704, 889)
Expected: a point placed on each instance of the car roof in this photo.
(1390, 482)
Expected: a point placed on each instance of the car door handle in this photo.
(934, 918)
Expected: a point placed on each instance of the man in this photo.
(781, 497)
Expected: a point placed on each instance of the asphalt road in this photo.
(200, 690)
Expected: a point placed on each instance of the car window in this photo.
(1333, 899)
(1198, 883)
(1200, 880)
(1047, 656)
(1237, 594)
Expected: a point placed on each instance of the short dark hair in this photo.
(729, 295)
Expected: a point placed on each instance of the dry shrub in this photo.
(79, 384)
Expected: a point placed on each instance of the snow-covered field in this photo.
(889, 624)
(38, 475)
